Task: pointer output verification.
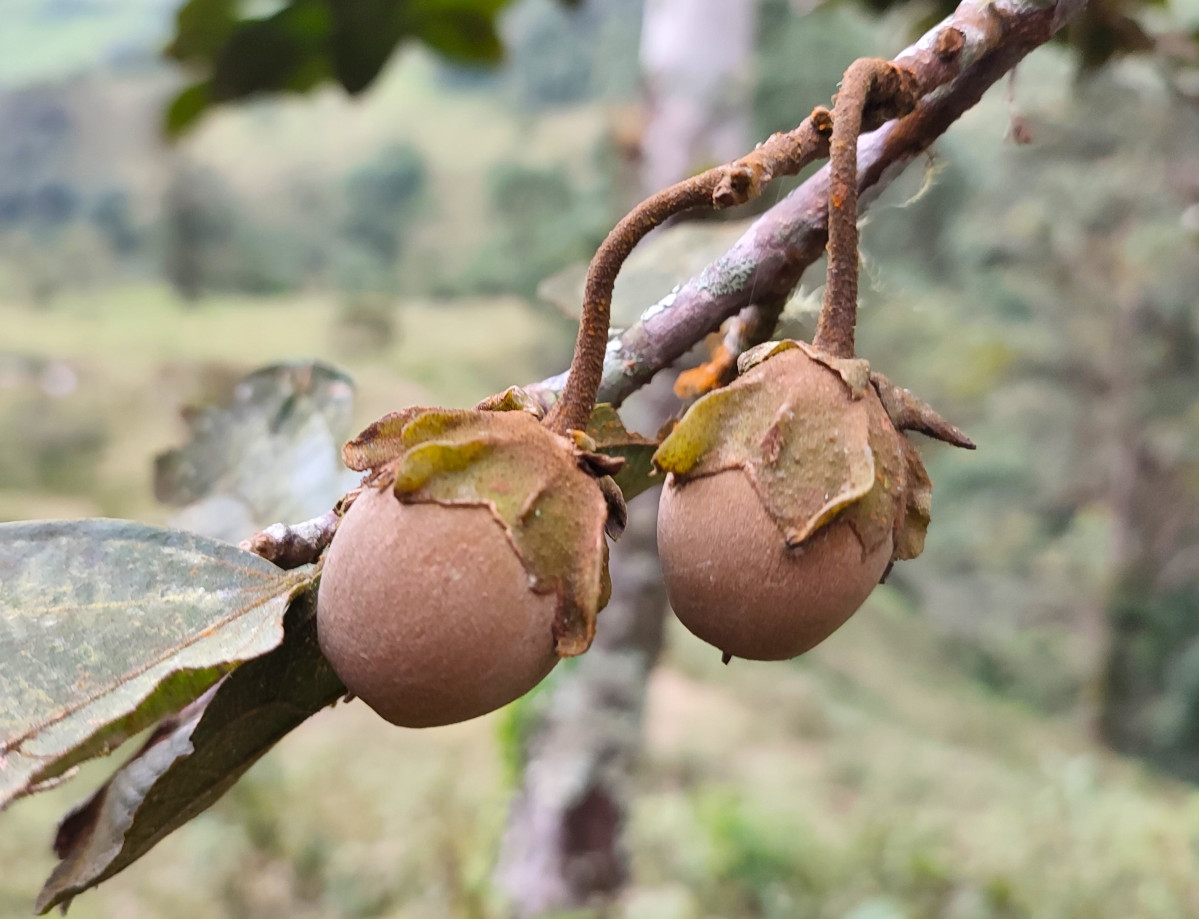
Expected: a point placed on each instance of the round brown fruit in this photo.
(426, 612)
(732, 580)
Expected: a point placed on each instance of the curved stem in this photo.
(721, 187)
(872, 88)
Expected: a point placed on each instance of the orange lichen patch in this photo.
(711, 375)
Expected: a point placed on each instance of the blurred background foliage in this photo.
(950, 752)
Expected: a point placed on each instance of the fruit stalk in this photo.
(868, 84)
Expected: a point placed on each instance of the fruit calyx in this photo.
(814, 435)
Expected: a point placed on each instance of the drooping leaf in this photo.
(193, 758)
(272, 455)
(107, 625)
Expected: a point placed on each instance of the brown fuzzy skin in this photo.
(426, 614)
(733, 582)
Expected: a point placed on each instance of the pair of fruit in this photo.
(475, 556)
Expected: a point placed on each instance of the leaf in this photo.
(271, 455)
(613, 439)
(187, 107)
(107, 625)
(365, 33)
(466, 36)
(283, 52)
(194, 758)
(202, 27)
(307, 42)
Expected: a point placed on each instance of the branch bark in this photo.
(955, 63)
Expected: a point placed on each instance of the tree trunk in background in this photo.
(1149, 703)
(1146, 639)
(696, 66)
(563, 845)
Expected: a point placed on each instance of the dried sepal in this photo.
(909, 412)
(855, 372)
(813, 456)
(918, 501)
(380, 442)
(512, 399)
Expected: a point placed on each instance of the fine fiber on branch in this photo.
(954, 63)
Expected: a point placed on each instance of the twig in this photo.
(954, 63)
(291, 546)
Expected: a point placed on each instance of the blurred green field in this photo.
(872, 779)
(139, 355)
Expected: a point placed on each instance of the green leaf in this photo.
(307, 42)
(466, 36)
(613, 439)
(186, 107)
(365, 33)
(272, 454)
(194, 758)
(107, 625)
(284, 52)
(201, 28)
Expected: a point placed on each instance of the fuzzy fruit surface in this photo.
(733, 582)
(788, 496)
(426, 612)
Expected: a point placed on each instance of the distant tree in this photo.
(199, 224)
(381, 198)
(111, 214)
